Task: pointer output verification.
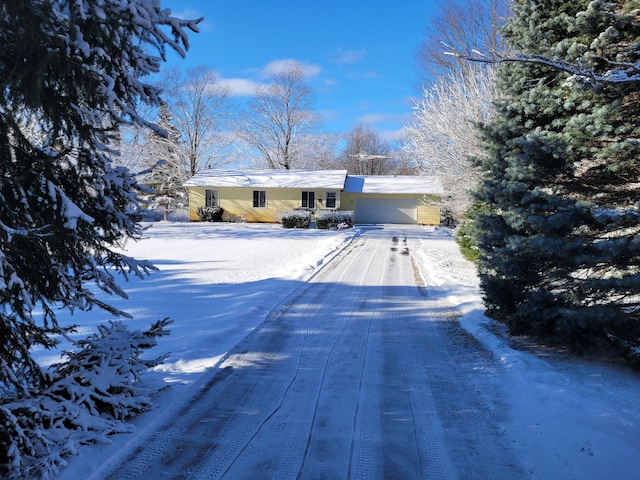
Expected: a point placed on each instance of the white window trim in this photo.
(335, 199)
(253, 202)
(216, 197)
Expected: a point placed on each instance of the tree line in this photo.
(204, 126)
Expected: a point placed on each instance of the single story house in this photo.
(262, 195)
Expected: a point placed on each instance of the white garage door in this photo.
(379, 210)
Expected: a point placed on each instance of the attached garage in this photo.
(400, 199)
(381, 210)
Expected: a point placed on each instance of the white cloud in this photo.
(396, 135)
(341, 55)
(330, 114)
(240, 87)
(385, 124)
(373, 118)
(186, 13)
(276, 66)
(385, 118)
(246, 87)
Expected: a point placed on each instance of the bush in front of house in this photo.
(296, 219)
(335, 219)
(210, 214)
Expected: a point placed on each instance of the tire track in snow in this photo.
(296, 447)
(353, 376)
(308, 418)
(158, 447)
(337, 410)
(477, 446)
(425, 455)
(366, 448)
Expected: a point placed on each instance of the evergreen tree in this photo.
(168, 173)
(558, 227)
(71, 72)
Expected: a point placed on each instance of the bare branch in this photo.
(464, 26)
(280, 119)
(625, 74)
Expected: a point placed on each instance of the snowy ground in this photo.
(219, 282)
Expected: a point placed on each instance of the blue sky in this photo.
(359, 56)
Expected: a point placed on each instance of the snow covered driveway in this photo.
(362, 373)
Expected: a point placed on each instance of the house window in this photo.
(211, 198)
(331, 200)
(259, 199)
(309, 199)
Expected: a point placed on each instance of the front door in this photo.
(308, 199)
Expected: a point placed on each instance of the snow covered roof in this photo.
(327, 179)
(415, 184)
(321, 179)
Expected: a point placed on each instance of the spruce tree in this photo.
(71, 72)
(558, 227)
(168, 173)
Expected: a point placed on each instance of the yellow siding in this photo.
(237, 203)
(428, 215)
(429, 210)
(196, 199)
(348, 201)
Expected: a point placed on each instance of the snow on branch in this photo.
(623, 74)
(70, 210)
(134, 29)
(93, 392)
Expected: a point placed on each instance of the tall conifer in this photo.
(70, 73)
(558, 232)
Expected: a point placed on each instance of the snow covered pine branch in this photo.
(72, 72)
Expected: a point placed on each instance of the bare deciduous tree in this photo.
(461, 26)
(443, 137)
(456, 94)
(280, 119)
(200, 108)
(193, 114)
(319, 150)
(366, 153)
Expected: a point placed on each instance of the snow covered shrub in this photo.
(336, 219)
(210, 214)
(447, 218)
(102, 376)
(91, 394)
(296, 219)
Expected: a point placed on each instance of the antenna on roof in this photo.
(368, 156)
